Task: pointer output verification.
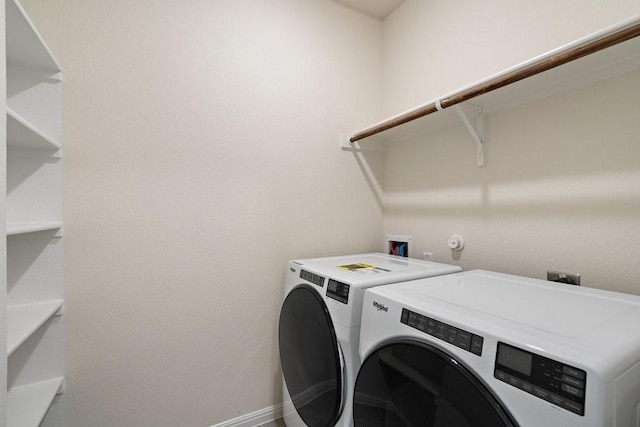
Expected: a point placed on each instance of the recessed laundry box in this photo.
(319, 330)
(479, 348)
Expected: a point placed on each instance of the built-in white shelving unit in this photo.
(22, 134)
(24, 319)
(35, 284)
(30, 402)
(22, 228)
(610, 52)
(25, 46)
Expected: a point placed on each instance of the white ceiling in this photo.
(379, 9)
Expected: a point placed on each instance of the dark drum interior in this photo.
(310, 357)
(413, 384)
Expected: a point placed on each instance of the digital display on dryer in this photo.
(338, 291)
(515, 359)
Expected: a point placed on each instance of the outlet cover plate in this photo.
(563, 277)
(397, 245)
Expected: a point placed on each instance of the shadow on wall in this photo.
(576, 153)
(610, 193)
(560, 189)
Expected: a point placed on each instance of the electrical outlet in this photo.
(427, 256)
(562, 277)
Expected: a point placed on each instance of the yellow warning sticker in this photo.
(355, 267)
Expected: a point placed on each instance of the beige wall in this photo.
(561, 188)
(201, 153)
(434, 47)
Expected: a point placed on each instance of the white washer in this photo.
(486, 349)
(319, 330)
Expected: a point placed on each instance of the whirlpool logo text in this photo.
(380, 307)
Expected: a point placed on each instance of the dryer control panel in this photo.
(338, 291)
(550, 380)
(316, 279)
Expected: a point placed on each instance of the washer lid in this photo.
(565, 310)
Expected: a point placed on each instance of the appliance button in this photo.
(441, 331)
(543, 394)
(557, 400)
(572, 406)
(572, 390)
(452, 333)
(463, 340)
(573, 372)
(515, 382)
(476, 344)
(573, 381)
(431, 328)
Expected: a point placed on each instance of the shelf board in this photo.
(22, 228)
(22, 134)
(24, 319)
(28, 404)
(25, 46)
(521, 84)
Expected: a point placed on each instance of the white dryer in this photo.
(486, 349)
(319, 330)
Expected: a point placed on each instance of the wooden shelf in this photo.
(28, 404)
(22, 134)
(24, 319)
(24, 44)
(22, 228)
(613, 51)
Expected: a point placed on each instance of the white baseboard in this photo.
(255, 418)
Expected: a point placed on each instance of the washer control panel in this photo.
(443, 331)
(550, 380)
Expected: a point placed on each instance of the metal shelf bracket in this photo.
(467, 113)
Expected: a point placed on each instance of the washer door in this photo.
(311, 357)
(409, 383)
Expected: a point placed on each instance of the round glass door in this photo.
(310, 357)
(413, 384)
